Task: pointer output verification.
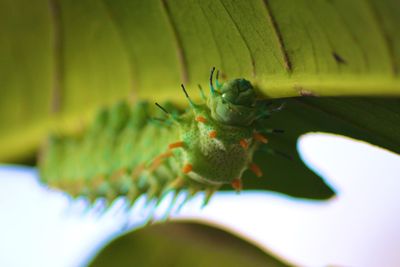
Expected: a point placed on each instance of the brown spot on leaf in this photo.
(339, 59)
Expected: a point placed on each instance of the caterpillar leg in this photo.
(208, 194)
(171, 205)
(212, 89)
(189, 195)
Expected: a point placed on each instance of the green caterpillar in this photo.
(129, 151)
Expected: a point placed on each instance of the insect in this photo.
(130, 151)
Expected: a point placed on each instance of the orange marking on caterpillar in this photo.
(74, 189)
(244, 143)
(261, 138)
(256, 170)
(159, 159)
(237, 185)
(163, 156)
(117, 174)
(136, 172)
(176, 145)
(201, 119)
(212, 134)
(97, 181)
(187, 168)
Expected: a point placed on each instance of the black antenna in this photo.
(185, 92)
(187, 96)
(163, 109)
(211, 81)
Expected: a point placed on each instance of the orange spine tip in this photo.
(167, 154)
(237, 184)
(136, 172)
(187, 168)
(163, 156)
(261, 138)
(176, 145)
(201, 119)
(212, 134)
(256, 170)
(117, 175)
(97, 181)
(244, 143)
(159, 159)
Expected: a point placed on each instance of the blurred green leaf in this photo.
(182, 244)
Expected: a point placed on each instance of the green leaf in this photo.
(61, 60)
(182, 244)
(369, 119)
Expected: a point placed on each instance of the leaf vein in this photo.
(278, 34)
(179, 46)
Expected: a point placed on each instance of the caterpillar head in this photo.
(234, 103)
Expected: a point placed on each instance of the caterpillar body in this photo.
(127, 151)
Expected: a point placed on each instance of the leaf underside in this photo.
(171, 244)
(369, 119)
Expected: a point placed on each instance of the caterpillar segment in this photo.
(144, 150)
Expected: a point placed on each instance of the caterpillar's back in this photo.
(130, 151)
